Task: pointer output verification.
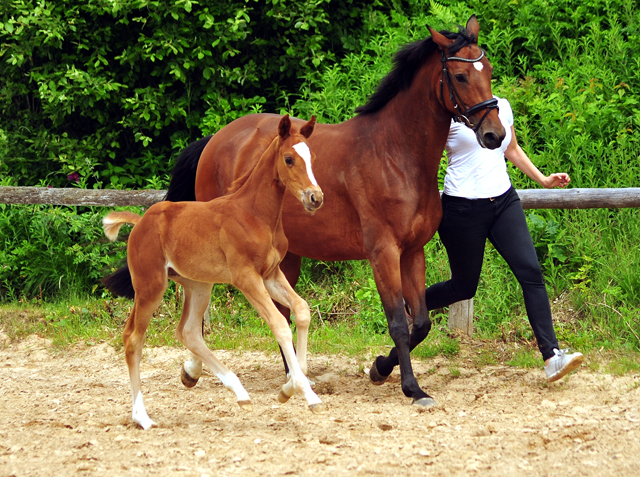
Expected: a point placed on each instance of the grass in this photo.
(235, 325)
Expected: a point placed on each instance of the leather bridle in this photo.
(462, 113)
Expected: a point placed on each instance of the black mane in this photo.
(406, 64)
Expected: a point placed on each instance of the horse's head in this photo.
(465, 84)
(294, 163)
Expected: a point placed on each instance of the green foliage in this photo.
(113, 90)
(51, 251)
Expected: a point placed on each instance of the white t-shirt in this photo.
(475, 172)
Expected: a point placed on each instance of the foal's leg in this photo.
(290, 266)
(189, 333)
(254, 290)
(281, 291)
(146, 301)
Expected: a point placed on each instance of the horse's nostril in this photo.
(491, 140)
(313, 198)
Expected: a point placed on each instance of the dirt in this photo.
(69, 414)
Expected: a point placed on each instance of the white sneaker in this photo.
(562, 364)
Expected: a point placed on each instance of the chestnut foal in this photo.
(235, 239)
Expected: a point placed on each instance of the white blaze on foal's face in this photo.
(303, 151)
(479, 66)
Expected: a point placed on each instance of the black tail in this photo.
(119, 283)
(183, 176)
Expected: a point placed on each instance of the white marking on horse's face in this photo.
(479, 66)
(303, 151)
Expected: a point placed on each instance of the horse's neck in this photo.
(262, 193)
(416, 124)
(418, 110)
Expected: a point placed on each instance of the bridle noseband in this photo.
(462, 112)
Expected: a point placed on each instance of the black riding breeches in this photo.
(465, 226)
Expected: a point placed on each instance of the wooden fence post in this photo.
(461, 316)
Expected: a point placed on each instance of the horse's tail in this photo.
(119, 283)
(113, 221)
(183, 176)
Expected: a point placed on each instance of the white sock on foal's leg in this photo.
(232, 383)
(139, 413)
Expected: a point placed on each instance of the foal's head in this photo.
(465, 83)
(294, 162)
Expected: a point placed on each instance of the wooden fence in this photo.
(460, 314)
(531, 198)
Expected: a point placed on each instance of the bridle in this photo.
(462, 113)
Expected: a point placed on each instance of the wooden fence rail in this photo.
(460, 314)
(531, 198)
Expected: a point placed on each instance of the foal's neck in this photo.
(263, 192)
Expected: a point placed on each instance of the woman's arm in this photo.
(519, 159)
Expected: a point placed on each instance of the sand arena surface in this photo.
(69, 414)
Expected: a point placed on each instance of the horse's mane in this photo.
(406, 64)
(239, 182)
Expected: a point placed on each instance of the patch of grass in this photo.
(624, 364)
(439, 342)
(455, 371)
(65, 324)
(525, 358)
(485, 358)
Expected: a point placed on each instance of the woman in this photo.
(479, 203)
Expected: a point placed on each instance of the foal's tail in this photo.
(183, 176)
(119, 282)
(113, 221)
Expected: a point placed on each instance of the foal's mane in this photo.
(239, 182)
(406, 64)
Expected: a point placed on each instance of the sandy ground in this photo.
(69, 414)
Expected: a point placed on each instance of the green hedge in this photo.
(113, 90)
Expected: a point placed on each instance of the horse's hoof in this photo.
(187, 380)
(424, 402)
(282, 397)
(317, 408)
(245, 405)
(375, 377)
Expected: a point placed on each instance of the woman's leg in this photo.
(511, 237)
(463, 231)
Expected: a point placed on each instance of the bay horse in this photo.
(379, 170)
(236, 239)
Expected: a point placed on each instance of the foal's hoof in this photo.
(187, 380)
(246, 405)
(375, 377)
(317, 408)
(424, 402)
(282, 397)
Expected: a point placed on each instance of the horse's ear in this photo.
(442, 41)
(307, 129)
(284, 127)
(473, 27)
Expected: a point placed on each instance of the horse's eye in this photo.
(288, 160)
(460, 78)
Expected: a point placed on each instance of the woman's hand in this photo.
(559, 179)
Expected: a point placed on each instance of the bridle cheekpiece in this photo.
(462, 113)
